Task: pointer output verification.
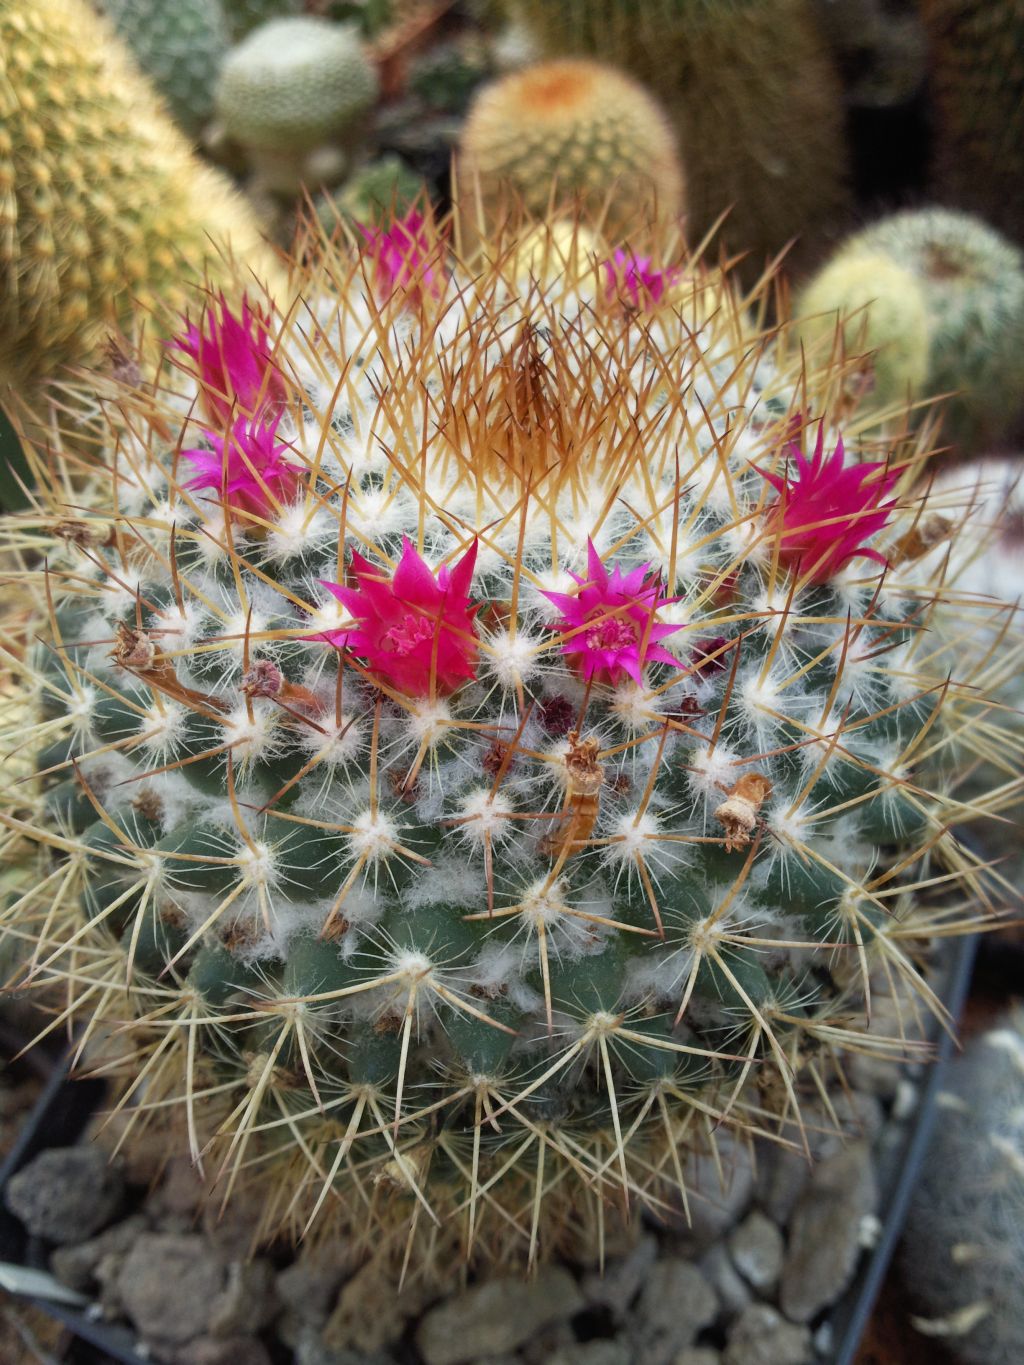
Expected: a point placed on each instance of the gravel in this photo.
(66, 1194)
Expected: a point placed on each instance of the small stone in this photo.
(247, 1302)
(169, 1286)
(717, 1268)
(223, 1351)
(698, 1355)
(66, 1194)
(310, 1350)
(176, 1200)
(718, 1196)
(593, 1353)
(76, 1266)
(824, 1233)
(782, 1177)
(619, 1285)
(497, 1316)
(675, 1305)
(309, 1285)
(757, 1249)
(359, 1322)
(761, 1336)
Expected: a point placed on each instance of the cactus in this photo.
(936, 282)
(372, 193)
(963, 1249)
(750, 89)
(976, 64)
(482, 757)
(563, 129)
(292, 86)
(179, 46)
(105, 213)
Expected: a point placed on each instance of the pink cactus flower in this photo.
(611, 625)
(416, 632)
(406, 257)
(248, 468)
(633, 279)
(826, 513)
(232, 361)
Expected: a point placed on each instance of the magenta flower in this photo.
(826, 513)
(232, 361)
(248, 468)
(611, 621)
(404, 257)
(416, 633)
(633, 277)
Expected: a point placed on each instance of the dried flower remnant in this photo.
(610, 624)
(739, 812)
(417, 633)
(825, 515)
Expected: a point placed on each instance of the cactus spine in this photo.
(105, 214)
(566, 129)
(477, 734)
(751, 92)
(942, 297)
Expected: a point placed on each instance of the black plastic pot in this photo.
(65, 1107)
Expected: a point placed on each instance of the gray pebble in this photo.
(717, 1268)
(761, 1336)
(782, 1176)
(223, 1351)
(757, 1249)
(76, 1265)
(160, 1262)
(247, 1303)
(619, 1285)
(824, 1233)
(358, 1322)
(698, 1355)
(66, 1194)
(497, 1316)
(675, 1305)
(593, 1353)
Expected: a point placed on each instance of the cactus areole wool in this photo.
(490, 731)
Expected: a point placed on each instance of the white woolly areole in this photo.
(512, 659)
(748, 540)
(329, 615)
(631, 832)
(340, 745)
(485, 815)
(634, 706)
(250, 737)
(760, 698)
(176, 628)
(163, 727)
(793, 827)
(553, 580)
(296, 531)
(240, 625)
(256, 864)
(372, 836)
(429, 722)
(712, 770)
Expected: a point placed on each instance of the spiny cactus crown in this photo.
(485, 736)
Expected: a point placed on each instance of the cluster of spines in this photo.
(610, 982)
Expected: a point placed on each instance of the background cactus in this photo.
(245, 15)
(291, 86)
(105, 214)
(963, 1250)
(569, 128)
(179, 46)
(976, 68)
(942, 297)
(482, 759)
(750, 88)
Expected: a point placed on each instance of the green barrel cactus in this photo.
(750, 88)
(482, 756)
(939, 298)
(105, 214)
(244, 15)
(180, 47)
(568, 129)
(976, 71)
(292, 86)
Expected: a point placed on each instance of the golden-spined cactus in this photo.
(566, 129)
(104, 210)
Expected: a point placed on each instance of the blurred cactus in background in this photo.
(563, 130)
(179, 46)
(940, 297)
(488, 734)
(291, 87)
(963, 1248)
(750, 88)
(244, 15)
(976, 65)
(106, 215)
